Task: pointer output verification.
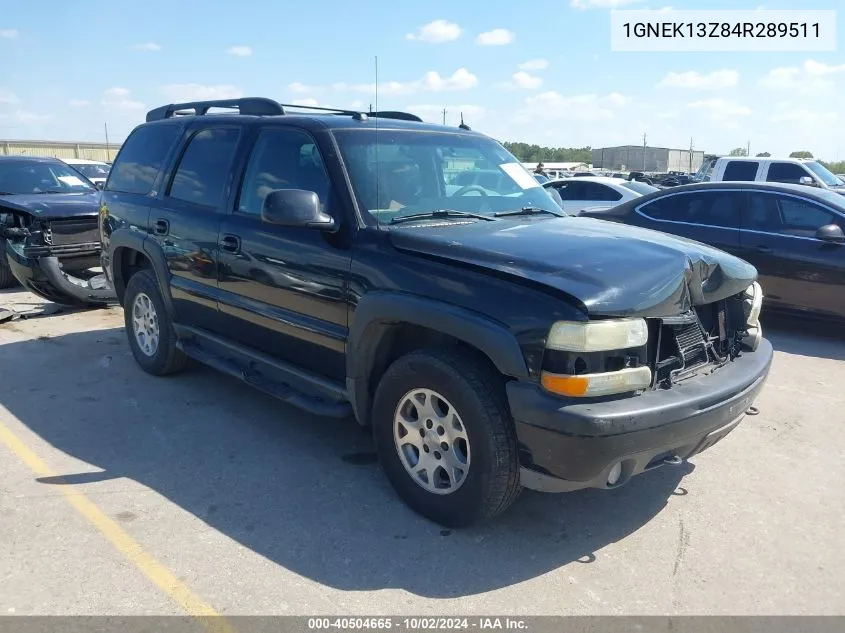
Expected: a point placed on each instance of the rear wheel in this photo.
(445, 436)
(150, 333)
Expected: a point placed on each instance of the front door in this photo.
(796, 269)
(283, 290)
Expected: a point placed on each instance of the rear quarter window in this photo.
(741, 170)
(142, 158)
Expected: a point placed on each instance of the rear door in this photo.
(740, 170)
(711, 217)
(185, 221)
(796, 269)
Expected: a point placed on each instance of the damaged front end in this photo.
(53, 257)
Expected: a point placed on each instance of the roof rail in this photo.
(258, 106)
(261, 106)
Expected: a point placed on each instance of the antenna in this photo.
(378, 165)
(376, 85)
(463, 125)
(108, 152)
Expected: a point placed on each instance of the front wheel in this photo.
(150, 333)
(445, 436)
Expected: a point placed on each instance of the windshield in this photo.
(31, 176)
(402, 172)
(823, 174)
(639, 187)
(92, 170)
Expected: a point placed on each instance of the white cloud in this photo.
(8, 98)
(432, 81)
(300, 88)
(24, 116)
(496, 37)
(116, 92)
(356, 105)
(79, 103)
(199, 92)
(718, 79)
(600, 4)
(146, 47)
(535, 64)
(239, 51)
(436, 32)
(583, 107)
(305, 102)
(811, 77)
(522, 81)
(720, 109)
(8, 34)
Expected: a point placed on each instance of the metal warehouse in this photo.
(61, 149)
(649, 159)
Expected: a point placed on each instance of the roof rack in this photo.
(261, 106)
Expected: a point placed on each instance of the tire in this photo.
(7, 279)
(163, 357)
(475, 392)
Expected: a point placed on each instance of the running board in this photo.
(289, 384)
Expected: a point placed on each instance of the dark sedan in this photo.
(792, 234)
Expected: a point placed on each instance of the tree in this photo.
(801, 154)
(763, 155)
(534, 153)
(739, 151)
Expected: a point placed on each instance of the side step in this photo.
(289, 384)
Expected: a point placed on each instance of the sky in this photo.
(538, 72)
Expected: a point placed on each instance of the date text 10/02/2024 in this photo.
(418, 624)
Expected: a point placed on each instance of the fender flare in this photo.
(132, 240)
(377, 311)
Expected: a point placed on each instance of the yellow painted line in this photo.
(192, 604)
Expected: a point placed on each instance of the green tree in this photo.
(738, 151)
(534, 153)
(801, 154)
(763, 155)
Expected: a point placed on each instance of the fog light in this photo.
(614, 474)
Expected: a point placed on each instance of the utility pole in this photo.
(444, 116)
(644, 147)
(690, 156)
(748, 149)
(108, 152)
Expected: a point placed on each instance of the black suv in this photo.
(333, 259)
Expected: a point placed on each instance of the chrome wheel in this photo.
(145, 324)
(431, 441)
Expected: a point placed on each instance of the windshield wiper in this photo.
(528, 211)
(440, 213)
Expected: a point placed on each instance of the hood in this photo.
(612, 269)
(54, 205)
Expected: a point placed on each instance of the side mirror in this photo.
(296, 208)
(100, 185)
(831, 233)
(807, 180)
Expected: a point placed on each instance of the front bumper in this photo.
(567, 444)
(43, 272)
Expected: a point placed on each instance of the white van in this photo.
(796, 171)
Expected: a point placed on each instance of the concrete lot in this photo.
(121, 493)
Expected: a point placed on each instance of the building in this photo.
(649, 159)
(60, 149)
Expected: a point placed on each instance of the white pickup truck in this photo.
(798, 171)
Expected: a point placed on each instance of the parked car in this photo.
(792, 234)
(94, 170)
(597, 191)
(48, 231)
(797, 171)
(490, 340)
(674, 181)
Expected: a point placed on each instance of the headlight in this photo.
(597, 336)
(753, 304)
(591, 385)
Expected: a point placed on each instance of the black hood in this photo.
(54, 205)
(612, 269)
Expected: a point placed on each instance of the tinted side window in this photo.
(741, 170)
(595, 191)
(282, 159)
(204, 168)
(141, 158)
(720, 209)
(789, 216)
(573, 190)
(786, 172)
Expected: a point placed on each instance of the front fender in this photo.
(377, 311)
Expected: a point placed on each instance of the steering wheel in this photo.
(469, 188)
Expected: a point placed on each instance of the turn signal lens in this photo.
(591, 385)
(597, 336)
